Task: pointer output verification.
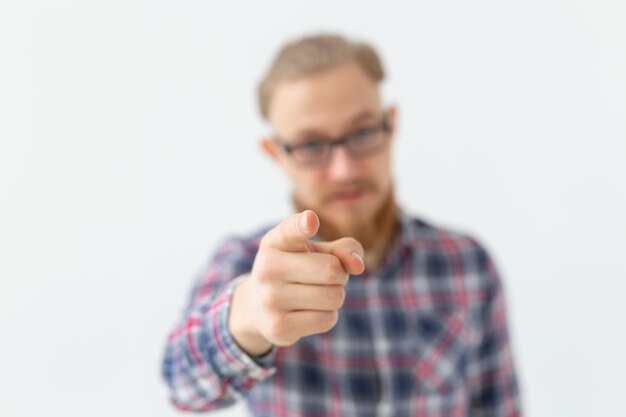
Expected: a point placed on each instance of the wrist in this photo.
(241, 327)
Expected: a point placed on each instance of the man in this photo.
(350, 307)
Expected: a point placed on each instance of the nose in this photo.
(341, 165)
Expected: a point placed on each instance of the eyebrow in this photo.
(364, 115)
(312, 132)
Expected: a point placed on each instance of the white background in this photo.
(128, 148)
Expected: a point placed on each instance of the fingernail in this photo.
(359, 257)
(302, 223)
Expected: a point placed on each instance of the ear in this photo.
(269, 148)
(392, 114)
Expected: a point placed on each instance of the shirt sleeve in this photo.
(203, 366)
(493, 384)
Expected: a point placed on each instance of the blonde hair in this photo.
(315, 54)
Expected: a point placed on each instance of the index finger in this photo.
(293, 233)
(349, 251)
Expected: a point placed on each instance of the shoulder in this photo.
(243, 246)
(454, 263)
(445, 249)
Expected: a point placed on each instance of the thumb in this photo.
(293, 233)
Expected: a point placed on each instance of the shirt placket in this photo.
(381, 347)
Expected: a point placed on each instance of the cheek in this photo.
(379, 170)
(307, 185)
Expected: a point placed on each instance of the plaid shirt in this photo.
(423, 335)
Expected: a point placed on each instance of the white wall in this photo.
(128, 148)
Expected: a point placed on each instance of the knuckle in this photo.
(266, 270)
(289, 340)
(282, 231)
(330, 320)
(337, 296)
(270, 299)
(333, 269)
(266, 239)
(276, 327)
(355, 244)
(286, 341)
(350, 244)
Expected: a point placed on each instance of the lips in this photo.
(348, 195)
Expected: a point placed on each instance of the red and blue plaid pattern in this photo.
(424, 335)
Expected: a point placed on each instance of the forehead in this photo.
(325, 102)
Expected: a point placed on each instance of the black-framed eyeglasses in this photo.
(360, 144)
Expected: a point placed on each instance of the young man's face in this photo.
(346, 191)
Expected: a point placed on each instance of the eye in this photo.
(311, 146)
(309, 150)
(365, 132)
(364, 137)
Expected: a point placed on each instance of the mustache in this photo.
(355, 186)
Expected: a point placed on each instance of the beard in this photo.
(357, 223)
